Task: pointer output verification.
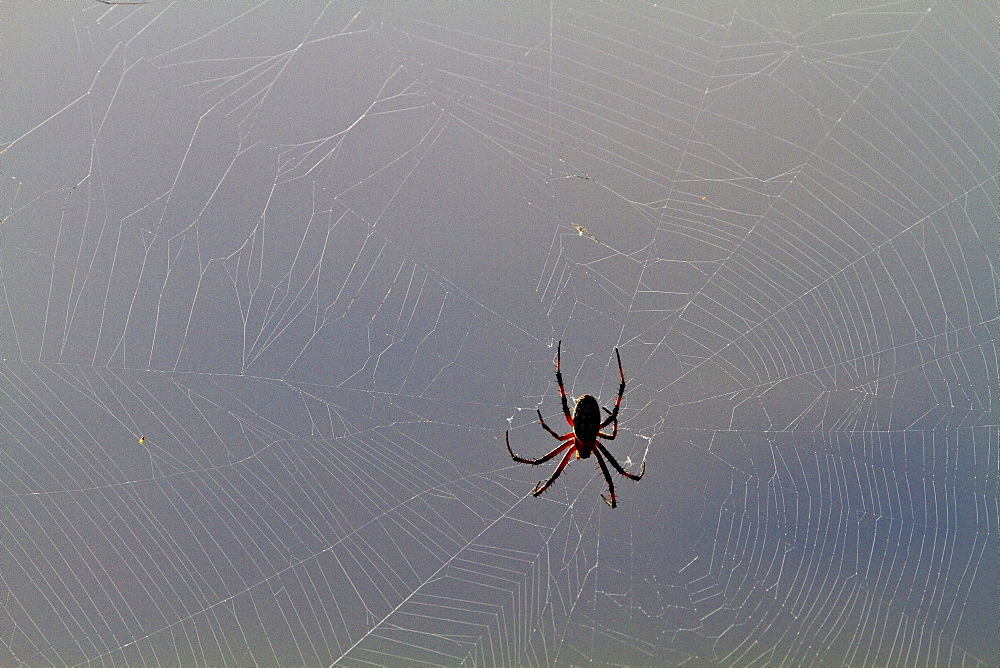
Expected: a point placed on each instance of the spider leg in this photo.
(562, 389)
(621, 390)
(564, 437)
(607, 476)
(539, 488)
(618, 467)
(544, 459)
(614, 432)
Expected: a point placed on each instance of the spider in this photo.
(582, 440)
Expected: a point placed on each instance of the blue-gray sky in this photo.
(277, 277)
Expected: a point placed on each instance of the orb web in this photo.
(276, 281)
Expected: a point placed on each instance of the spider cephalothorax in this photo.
(583, 440)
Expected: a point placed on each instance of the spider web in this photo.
(277, 278)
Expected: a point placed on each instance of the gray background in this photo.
(318, 257)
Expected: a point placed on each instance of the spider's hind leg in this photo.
(564, 437)
(539, 488)
(614, 432)
(607, 476)
(540, 460)
(618, 467)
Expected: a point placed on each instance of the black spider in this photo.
(582, 440)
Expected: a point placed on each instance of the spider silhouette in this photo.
(582, 440)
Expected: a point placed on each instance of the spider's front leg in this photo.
(562, 388)
(621, 391)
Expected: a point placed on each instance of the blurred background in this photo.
(277, 277)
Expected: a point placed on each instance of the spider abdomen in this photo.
(586, 423)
